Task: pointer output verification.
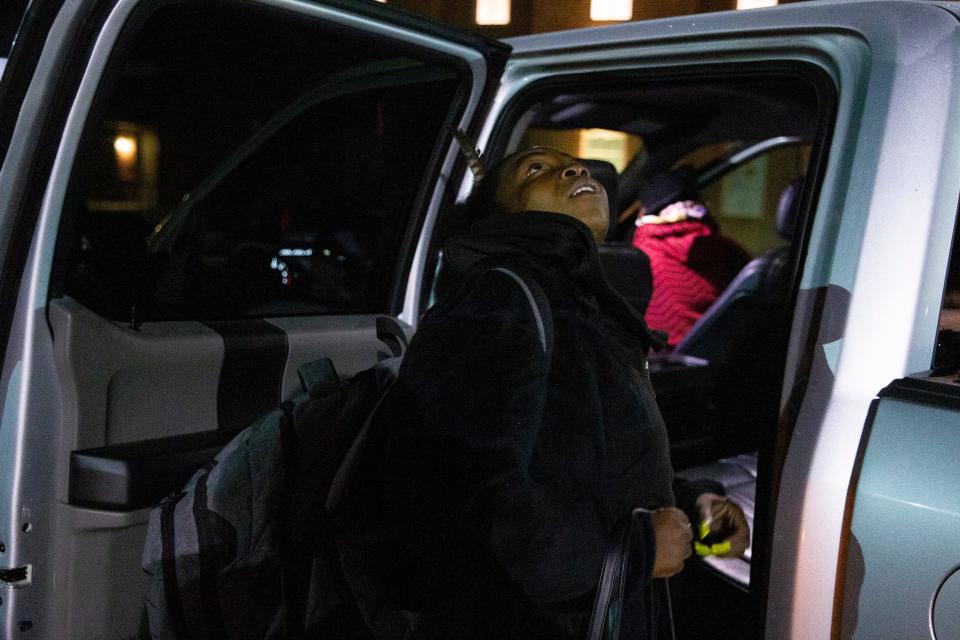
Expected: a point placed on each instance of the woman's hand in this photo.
(673, 536)
(726, 521)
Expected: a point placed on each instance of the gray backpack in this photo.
(249, 548)
(241, 551)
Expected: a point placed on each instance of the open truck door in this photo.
(195, 198)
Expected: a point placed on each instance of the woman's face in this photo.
(545, 179)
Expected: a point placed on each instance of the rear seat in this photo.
(738, 475)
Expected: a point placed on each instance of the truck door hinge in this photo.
(15, 577)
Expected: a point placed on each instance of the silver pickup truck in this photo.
(198, 196)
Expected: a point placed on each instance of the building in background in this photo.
(506, 18)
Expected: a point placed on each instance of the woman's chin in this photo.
(595, 217)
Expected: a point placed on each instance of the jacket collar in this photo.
(552, 244)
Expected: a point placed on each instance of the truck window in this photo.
(232, 173)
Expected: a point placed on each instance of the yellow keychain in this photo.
(702, 549)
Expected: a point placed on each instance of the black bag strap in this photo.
(391, 334)
(209, 595)
(168, 558)
(293, 568)
(318, 377)
(540, 305)
(608, 605)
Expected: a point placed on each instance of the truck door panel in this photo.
(134, 350)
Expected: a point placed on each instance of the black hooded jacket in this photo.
(504, 477)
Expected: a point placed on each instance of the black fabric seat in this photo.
(626, 267)
(628, 270)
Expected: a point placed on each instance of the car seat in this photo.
(626, 267)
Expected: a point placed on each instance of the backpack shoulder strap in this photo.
(168, 545)
(318, 377)
(540, 306)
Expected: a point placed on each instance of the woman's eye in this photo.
(534, 167)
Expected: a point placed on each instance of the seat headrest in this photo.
(662, 189)
(606, 174)
(788, 208)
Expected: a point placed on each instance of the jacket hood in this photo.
(676, 237)
(554, 246)
(682, 228)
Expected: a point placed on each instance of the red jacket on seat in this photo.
(692, 264)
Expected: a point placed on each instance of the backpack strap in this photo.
(540, 306)
(168, 546)
(294, 565)
(390, 333)
(318, 377)
(209, 596)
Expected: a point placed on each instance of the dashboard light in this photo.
(296, 253)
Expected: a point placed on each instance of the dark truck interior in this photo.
(247, 237)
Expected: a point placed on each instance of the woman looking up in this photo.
(506, 465)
